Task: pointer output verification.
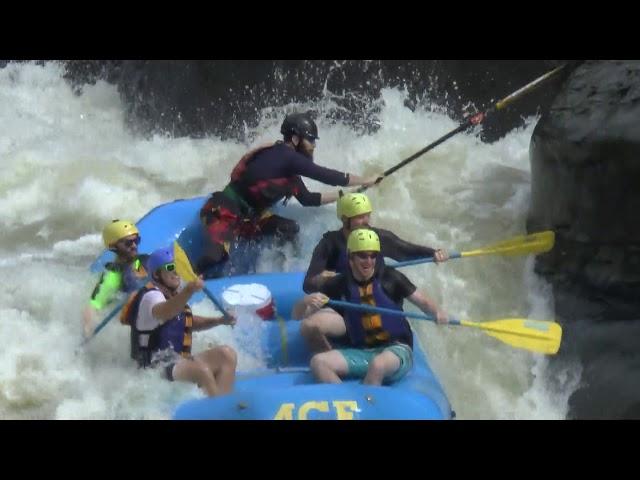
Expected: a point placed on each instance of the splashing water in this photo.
(70, 165)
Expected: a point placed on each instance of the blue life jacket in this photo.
(174, 333)
(368, 330)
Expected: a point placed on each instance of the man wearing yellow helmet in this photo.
(379, 348)
(330, 255)
(125, 274)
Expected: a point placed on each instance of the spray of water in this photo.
(70, 165)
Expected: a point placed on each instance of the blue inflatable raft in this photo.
(285, 389)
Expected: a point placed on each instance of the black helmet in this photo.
(300, 124)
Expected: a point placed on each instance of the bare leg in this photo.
(222, 362)
(196, 371)
(317, 327)
(382, 365)
(212, 370)
(328, 367)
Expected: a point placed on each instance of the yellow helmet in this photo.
(363, 240)
(353, 204)
(118, 229)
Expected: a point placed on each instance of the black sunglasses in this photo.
(129, 242)
(364, 255)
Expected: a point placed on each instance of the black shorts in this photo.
(166, 360)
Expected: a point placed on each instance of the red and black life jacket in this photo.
(261, 194)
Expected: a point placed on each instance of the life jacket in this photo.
(174, 333)
(263, 193)
(368, 330)
(133, 274)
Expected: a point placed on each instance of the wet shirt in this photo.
(146, 320)
(281, 161)
(327, 253)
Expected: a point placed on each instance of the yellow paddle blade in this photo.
(534, 335)
(183, 265)
(539, 242)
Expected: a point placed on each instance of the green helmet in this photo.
(352, 205)
(363, 240)
(118, 229)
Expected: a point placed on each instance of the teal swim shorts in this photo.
(358, 360)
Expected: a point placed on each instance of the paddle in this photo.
(533, 335)
(539, 242)
(185, 270)
(473, 120)
(102, 324)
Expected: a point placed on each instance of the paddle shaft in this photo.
(410, 159)
(216, 302)
(389, 311)
(538, 242)
(501, 332)
(473, 120)
(431, 146)
(103, 323)
(418, 261)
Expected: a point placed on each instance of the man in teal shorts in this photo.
(379, 346)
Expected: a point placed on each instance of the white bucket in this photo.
(249, 302)
(249, 299)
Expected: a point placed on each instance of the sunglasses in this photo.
(364, 255)
(169, 267)
(128, 243)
